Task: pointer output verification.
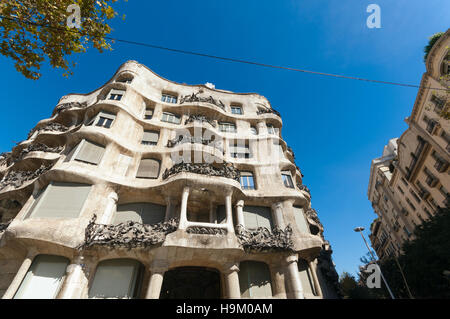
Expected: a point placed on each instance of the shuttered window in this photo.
(149, 168)
(61, 200)
(254, 280)
(171, 118)
(44, 278)
(89, 152)
(257, 216)
(144, 213)
(300, 220)
(150, 138)
(117, 278)
(148, 114)
(306, 277)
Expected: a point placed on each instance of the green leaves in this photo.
(33, 31)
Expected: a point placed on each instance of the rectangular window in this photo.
(443, 191)
(116, 95)
(254, 280)
(150, 138)
(103, 119)
(61, 200)
(270, 129)
(400, 190)
(169, 98)
(88, 152)
(144, 213)
(247, 180)
(300, 220)
(235, 109)
(257, 216)
(306, 277)
(414, 195)
(410, 204)
(227, 127)
(431, 180)
(148, 168)
(240, 151)
(287, 179)
(44, 278)
(404, 181)
(171, 118)
(148, 114)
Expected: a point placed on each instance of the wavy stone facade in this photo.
(145, 179)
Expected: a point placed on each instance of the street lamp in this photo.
(360, 230)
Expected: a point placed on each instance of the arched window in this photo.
(254, 280)
(117, 278)
(44, 278)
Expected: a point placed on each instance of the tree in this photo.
(431, 41)
(354, 289)
(32, 31)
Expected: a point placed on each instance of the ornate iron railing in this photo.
(224, 170)
(195, 98)
(264, 240)
(18, 178)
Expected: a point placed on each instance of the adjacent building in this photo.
(411, 180)
(147, 188)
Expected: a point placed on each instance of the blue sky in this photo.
(335, 126)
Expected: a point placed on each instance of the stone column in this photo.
(75, 281)
(294, 277)
(240, 213)
(233, 290)
(21, 273)
(110, 209)
(183, 208)
(212, 213)
(157, 269)
(169, 209)
(229, 211)
(317, 287)
(277, 209)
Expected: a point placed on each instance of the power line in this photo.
(149, 45)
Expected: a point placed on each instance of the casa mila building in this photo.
(147, 188)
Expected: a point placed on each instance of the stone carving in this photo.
(199, 118)
(327, 268)
(129, 234)
(18, 178)
(195, 98)
(224, 170)
(192, 139)
(206, 230)
(315, 225)
(51, 127)
(263, 240)
(265, 111)
(65, 106)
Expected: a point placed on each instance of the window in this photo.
(247, 180)
(404, 181)
(431, 180)
(414, 195)
(410, 204)
(300, 220)
(253, 130)
(407, 232)
(103, 119)
(148, 114)
(423, 193)
(236, 109)
(44, 278)
(400, 190)
(150, 138)
(438, 103)
(257, 216)
(287, 179)
(227, 127)
(116, 95)
(240, 151)
(171, 118)
(306, 277)
(144, 213)
(117, 278)
(60, 200)
(254, 279)
(443, 191)
(169, 98)
(441, 164)
(149, 168)
(271, 129)
(446, 138)
(430, 124)
(88, 152)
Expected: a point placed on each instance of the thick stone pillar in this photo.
(169, 209)
(183, 208)
(21, 273)
(240, 213)
(110, 209)
(312, 266)
(157, 270)
(277, 209)
(212, 213)
(294, 277)
(229, 211)
(75, 281)
(233, 289)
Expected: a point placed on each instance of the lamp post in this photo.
(360, 230)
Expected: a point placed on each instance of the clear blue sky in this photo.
(335, 127)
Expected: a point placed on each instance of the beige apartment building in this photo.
(146, 188)
(411, 180)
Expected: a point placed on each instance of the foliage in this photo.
(32, 31)
(432, 40)
(354, 289)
